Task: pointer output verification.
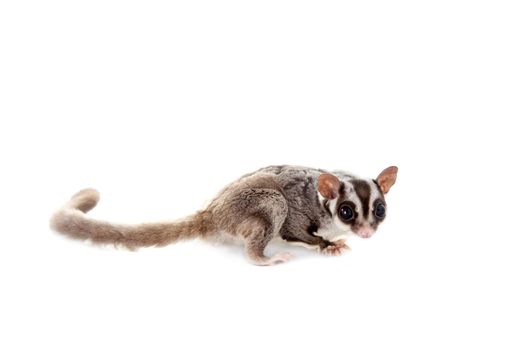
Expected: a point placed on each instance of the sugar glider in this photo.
(306, 206)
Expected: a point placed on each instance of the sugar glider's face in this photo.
(357, 205)
(360, 206)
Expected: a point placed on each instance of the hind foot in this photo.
(273, 260)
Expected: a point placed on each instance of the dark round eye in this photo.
(380, 210)
(346, 213)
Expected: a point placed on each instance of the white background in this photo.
(160, 104)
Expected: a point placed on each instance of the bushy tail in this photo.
(72, 221)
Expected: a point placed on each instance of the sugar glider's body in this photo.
(301, 205)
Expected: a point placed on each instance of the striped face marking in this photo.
(362, 190)
(360, 207)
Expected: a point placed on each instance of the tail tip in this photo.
(86, 199)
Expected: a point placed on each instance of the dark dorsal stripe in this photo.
(362, 189)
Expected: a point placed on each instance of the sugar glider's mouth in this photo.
(365, 232)
(364, 235)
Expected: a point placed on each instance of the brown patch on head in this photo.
(328, 185)
(387, 178)
(362, 189)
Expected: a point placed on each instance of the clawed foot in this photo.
(336, 248)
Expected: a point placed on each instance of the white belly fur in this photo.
(333, 232)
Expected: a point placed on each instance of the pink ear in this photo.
(387, 178)
(328, 186)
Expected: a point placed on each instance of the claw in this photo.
(336, 248)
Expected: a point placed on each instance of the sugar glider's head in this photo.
(356, 204)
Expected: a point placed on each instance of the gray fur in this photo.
(276, 201)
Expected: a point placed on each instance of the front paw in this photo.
(335, 248)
